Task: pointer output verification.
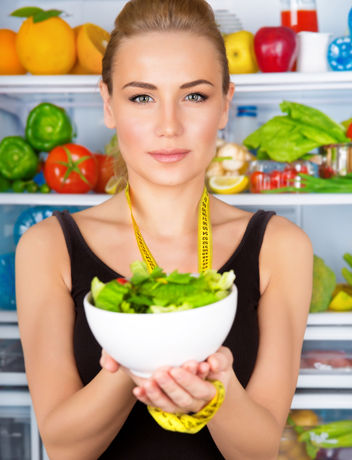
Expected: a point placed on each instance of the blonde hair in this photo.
(142, 16)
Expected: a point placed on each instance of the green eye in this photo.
(196, 97)
(141, 99)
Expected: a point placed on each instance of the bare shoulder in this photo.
(43, 247)
(286, 252)
(283, 235)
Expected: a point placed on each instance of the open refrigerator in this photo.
(325, 387)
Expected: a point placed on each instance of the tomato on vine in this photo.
(70, 168)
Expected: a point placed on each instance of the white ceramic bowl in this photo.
(142, 342)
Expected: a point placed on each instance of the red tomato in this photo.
(121, 280)
(105, 165)
(326, 171)
(70, 168)
(259, 181)
(349, 131)
(288, 177)
(275, 179)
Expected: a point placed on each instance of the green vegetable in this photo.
(334, 434)
(311, 184)
(17, 158)
(347, 274)
(48, 126)
(313, 117)
(44, 188)
(157, 292)
(324, 283)
(32, 187)
(110, 296)
(289, 137)
(5, 184)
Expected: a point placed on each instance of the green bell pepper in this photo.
(5, 184)
(48, 126)
(17, 158)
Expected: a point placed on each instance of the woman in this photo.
(166, 92)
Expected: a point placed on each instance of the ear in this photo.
(228, 98)
(109, 119)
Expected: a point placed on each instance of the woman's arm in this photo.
(75, 422)
(250, 422)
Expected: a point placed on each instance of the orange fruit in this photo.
(91, 44)
(46, 47)
(9, 61)
(77, 69)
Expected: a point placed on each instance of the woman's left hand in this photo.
(185, 389)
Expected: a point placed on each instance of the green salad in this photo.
(157, 292)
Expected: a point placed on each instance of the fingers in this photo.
(152, 394)
(221, 360)
(108, 363)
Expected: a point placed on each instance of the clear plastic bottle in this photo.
(244, 123)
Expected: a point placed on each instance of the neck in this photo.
(166, 211)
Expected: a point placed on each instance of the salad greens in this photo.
(157, 292)
(289, 137)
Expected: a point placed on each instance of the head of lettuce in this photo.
(157, 292)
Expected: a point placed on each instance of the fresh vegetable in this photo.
(311, 184)
(289, 137)
(48, 126)
(324, 283)
(157, 292)
(279, 178)
(105, 167)
(347, 274)
(275, 48)
(70, 168)
(5, 184)
(334, 434)
(17, 158)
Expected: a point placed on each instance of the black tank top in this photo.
(141, 438)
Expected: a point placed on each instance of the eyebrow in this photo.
(141, 84)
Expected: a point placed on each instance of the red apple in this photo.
(275, 48)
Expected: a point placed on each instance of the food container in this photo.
(336, 160)
(271, 175)
(143, 342)
(326, 358)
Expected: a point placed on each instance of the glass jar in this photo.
(299, 15)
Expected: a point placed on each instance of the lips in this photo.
(169, 155)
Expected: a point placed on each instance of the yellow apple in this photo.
(240, 52)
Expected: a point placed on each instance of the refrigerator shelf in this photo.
(333, 332)
(8, 317)
(319, 379)
(248, 83)
(13, 379)
(242, 199)
(330, 318)
(309, 399)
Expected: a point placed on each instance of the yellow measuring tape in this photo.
(205, 243)
(186, 423)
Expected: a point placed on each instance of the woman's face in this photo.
(167, 96)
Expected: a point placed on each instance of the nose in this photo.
(169, 120)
